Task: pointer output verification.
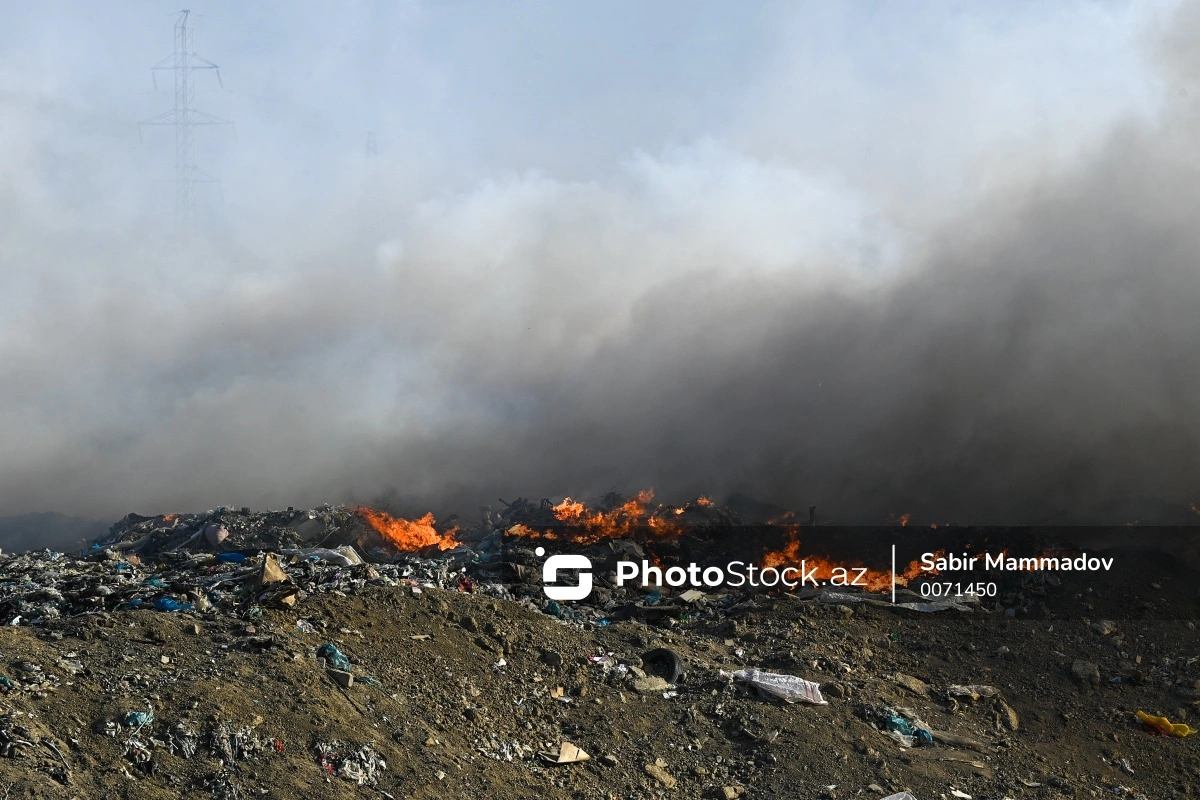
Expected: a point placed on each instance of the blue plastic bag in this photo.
(169, 604)
(334, 657)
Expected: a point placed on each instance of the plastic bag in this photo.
(333, 657)
(788, 688)
(1163, 725)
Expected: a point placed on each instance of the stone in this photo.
(914, 685)
(1085, 672)
(341, 677)
(661, 775)
(1008, 716)
(650, 684)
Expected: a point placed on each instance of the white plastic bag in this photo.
(788, 688)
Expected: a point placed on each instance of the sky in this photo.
(927, 257)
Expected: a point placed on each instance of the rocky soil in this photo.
(464, 695)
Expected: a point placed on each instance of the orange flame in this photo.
(915, 570)
(871, 580)
(899, 519)
(594, 526)
(409, 535)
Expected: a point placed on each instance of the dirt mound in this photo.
(298, 649)
(459, 694)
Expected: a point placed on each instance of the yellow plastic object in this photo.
(1164, 726)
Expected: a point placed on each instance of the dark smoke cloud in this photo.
(701, 320)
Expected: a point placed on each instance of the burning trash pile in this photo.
(236, 561)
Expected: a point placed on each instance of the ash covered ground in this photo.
(233, 654)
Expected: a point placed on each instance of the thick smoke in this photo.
(700, 320)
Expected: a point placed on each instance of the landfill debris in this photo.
(230, 632)
(567, 754)
(231, 743)
(215, 533)
(362, 765)
(958, 740)
(171, 604)
(788, 688)
(271, 571)
(839, 598)
(1163, 726)
(334, 658)
(139, 719)
(973, 691)
(182, 740)
(666, 662)
(900, 796)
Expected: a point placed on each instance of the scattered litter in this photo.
(361, 765)
(334, 658)
(169, 604)
(837, 598)
(665, 662)
(567, 754)
(1163, 726)
(788, 688)
(974, 691)
(139, 719)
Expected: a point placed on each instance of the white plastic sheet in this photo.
(788, 688)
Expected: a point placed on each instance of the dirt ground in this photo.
(453, 722)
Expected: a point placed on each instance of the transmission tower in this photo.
(368, 202)
(185, 118)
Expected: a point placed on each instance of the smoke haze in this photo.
(936, 258)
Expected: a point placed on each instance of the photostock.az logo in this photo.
(570, 561)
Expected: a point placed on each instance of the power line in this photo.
(185, 118)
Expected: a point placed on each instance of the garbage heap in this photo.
(235, 560)
(224, 560)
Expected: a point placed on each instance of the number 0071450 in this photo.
(952, 589)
